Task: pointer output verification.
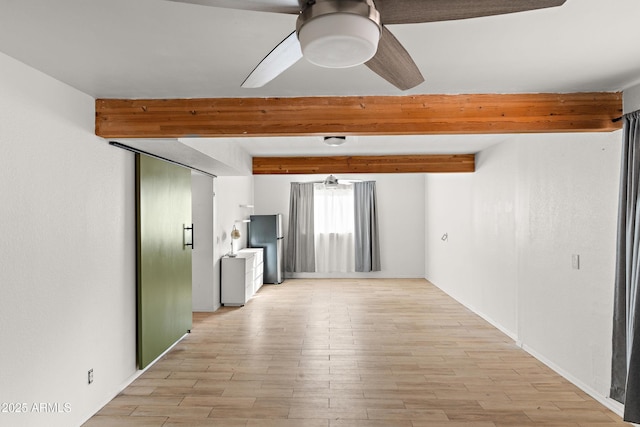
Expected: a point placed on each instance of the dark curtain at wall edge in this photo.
(625, 364)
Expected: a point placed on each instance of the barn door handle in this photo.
(188, 236)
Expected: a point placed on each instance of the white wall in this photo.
(533, 202)
(631, 99)
(67, 252)
(231, 192)
(203, 277)
(477, 213)
(401, 217)
(568, 190)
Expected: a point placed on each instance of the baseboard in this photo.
(132, 378)
(139, 372)
(351, 275)
(492, 322)
(614, 406)
(477, 312)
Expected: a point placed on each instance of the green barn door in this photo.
(163, 193)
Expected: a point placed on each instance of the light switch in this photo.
(575, 261)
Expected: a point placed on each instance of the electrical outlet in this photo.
(90, 376)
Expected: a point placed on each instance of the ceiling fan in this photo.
(345, 33)
(332, 181)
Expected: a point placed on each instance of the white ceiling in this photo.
(369, 145)
(162, 49)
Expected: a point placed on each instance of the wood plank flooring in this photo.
(350, 353)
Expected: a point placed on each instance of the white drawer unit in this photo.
(258, 267)
(240, 276)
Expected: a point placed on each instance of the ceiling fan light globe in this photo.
(339, 40)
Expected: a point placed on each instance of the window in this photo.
(334, 228)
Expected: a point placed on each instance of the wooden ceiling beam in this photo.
(364, 164)
(366, 115)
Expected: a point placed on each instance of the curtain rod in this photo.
(617, 119)
(135, 150)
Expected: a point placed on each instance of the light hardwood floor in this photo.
(350, 353)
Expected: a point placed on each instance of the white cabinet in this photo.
(258, 266)
(241, 276)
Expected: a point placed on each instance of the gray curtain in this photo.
(625, 365)
(367, 241)
(301, 256)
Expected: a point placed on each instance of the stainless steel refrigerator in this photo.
(265, 231)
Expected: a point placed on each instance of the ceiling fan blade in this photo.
(275, 63)
(416, 11)
(394, 64)
(277, 6)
